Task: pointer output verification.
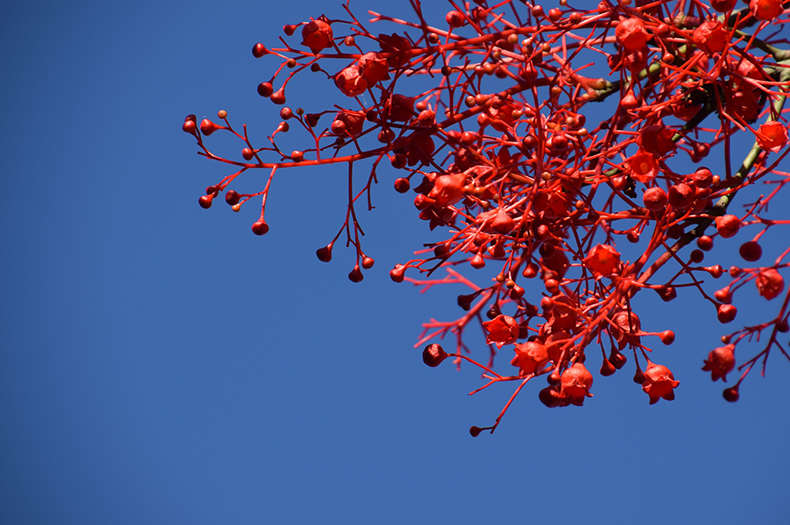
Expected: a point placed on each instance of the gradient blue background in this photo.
(160, 364)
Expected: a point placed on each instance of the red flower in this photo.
(772, 136)
(631, 34)
(624, 327)
(744, 103)
(644, 166)
(398, 47)
(769, 283)
(530, 357)
(502, 223)
(603, 260)
(766, 9)
(710, 36)
(575, 383)
(656, 140)
(448, 189)
(563, 314)
(374, 67)
(720, 362)
(420, 150)
(351, 82)
(398, 108)
(655, 199)
(502, 330)
(659, 383)
(728, 225)
(348, 123)
(317, 35)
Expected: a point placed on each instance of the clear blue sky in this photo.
(161, 364)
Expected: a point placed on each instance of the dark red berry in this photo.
(258, 50)
(265, 89)
(751, 251)
(324, 253)
(260, 227)
(433, 355)
(205, 201)
(355, 275)
(231, 197)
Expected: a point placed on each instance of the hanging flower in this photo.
(530, 357)
(659, 383)
(348, 123)
(769, 283)
(575, 384)
(351, 82)
(720, 362)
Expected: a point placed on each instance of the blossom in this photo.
(502, 223)
(772, 136)
(374, 67)
(317, 35)
(625, 327)
(398, 47)
(659, 383)
(563, 313)
(420, 150)
(769, 283)
(644, 166)
(727, 225)
(448, 189)
(398, 108)
(530, 357)
(720, 362)
(603, 260)
(655, 199)
(351, 82)
(631, 34)
(575, 384)
(502, 330)
(766, 9)
(710, 36)
(656, 140)
(348, 122)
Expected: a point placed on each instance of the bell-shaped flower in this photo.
(501, 330)
(720, 362)
(317, 35)
(603, 260)
(575, 384)
(769, 283)
(772, 136)
(659, 383)
(530, 358)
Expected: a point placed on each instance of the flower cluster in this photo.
(552, 150)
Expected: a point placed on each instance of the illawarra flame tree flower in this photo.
(550, 147)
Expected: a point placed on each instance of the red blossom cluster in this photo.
(547, 144)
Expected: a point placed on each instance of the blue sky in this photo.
(161, 364)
